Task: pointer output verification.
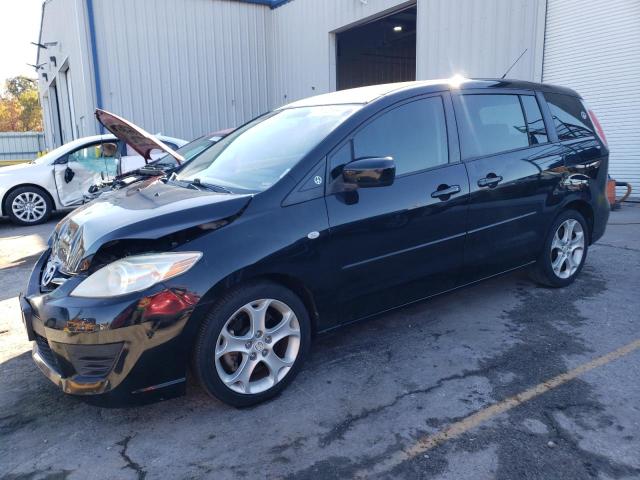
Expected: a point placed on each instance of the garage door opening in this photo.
(381, 51)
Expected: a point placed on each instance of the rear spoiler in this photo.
(138, 139)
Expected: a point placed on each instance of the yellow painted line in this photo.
(456, 429)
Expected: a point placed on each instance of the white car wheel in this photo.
(28, 206)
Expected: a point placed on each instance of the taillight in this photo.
(596, 124)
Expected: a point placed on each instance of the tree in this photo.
(20, 109)
(9, 115)
(16, 86)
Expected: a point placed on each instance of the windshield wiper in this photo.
(210, 186)
(198, 185)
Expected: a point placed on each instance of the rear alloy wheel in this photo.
(567, 248)
(28, 206)
(564, 252)
(252, 344)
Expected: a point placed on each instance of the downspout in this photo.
(94, 57)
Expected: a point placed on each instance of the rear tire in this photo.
(252, 343)
(564, 252)
(28, 206)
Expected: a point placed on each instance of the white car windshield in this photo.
(257, 155)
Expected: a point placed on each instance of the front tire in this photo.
(564, 252)
(252, 344)
(28, 206)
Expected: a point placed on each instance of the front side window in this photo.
(414, 134)
(491, 124)
(95, 158)
(256, 156)
(569, 116)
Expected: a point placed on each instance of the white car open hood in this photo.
(138, 139)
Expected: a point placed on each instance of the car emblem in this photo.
(49, 272)
(317, 179)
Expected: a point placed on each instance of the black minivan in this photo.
(320, 213)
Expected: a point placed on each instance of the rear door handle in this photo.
(490, 180)
(445, 191)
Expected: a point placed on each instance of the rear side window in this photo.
(491, 124)
(569, 116)
(535, 124)
(414, 134)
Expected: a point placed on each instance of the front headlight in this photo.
(132, 274)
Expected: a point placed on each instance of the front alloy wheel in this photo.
(252, 343)
(257, 346)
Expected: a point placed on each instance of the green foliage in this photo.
(20, 109)
(16, 86)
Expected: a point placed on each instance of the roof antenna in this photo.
(514, 63)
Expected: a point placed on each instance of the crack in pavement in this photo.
(48, 474)
(600, 244)
(593, 463)
(136, 467)
(544, 342)
(338, 431)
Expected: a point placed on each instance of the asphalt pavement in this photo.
(503, 380)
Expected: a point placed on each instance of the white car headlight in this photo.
(135, 273)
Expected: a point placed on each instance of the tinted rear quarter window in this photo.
(491, 124)
(535, 123)
(414, 134)
(569, 116)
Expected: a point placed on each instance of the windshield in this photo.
(257, 155)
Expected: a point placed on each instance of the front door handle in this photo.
(490, 180)
(445, 191)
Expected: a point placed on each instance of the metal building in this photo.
(186, 67)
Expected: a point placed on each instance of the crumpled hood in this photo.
(147, 210)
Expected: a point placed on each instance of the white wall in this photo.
(594, 47)
(302, 46)
(476, 38)
(480, 38)
(188, 67)
(183, 67)
(64, 23)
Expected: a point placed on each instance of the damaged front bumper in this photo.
(126, 348)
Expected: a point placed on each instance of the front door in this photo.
(396, 244)
(82, 168)
(514, 173)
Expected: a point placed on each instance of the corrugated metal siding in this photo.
(594, 48)
(20, 145)
(186, 67)
(302, 45)
(64, 22)
(183, 68)
(480, 39)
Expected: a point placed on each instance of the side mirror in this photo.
(68, 175)
(370, 172)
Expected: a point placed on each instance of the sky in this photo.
(19, 25)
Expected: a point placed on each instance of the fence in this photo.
(20, 146)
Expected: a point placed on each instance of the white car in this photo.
(29, 192)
